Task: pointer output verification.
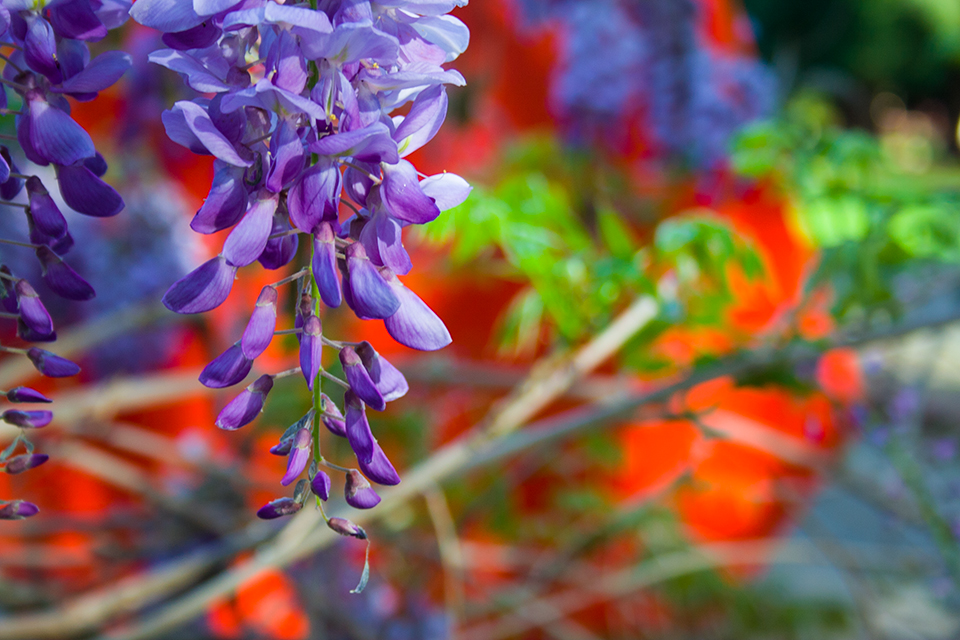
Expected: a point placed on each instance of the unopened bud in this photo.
(346, 528)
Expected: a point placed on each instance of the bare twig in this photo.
(451, 555)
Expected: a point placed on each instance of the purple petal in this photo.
(402, 196)
(199, 122)
(26, 394)
(352, 41)
(358, 492)
(299, 456)
(200, 36)
(280, 507)
(25, 139)
(102, 72)
(244, 409)
(40, 48)
(359, 378)
(358, 184)
(320, 485)
(46, 215)
(210, 7)
(97, 165)
(415, 325)
(52, 365)
(288, 156)
(311, 349)
(229, 368)
(285, 64)
(370, 295)
(194, 72)
(448, 190)
(31, 309)
(249, 238)
(27, 419)
(423, 121)
(11, 187)
(28, 334)
(165, 15)
(203, 289)
(24, 462)
(346, 528)
(370, 144)
(263, 322)
(379, 468)
(324, 265)
(18, 510)
(55, 136)
(232, 125)
(315, 196)
(61, 279)
(85, 193)
(280, 250)
(389, 380)
(389, 244)
(76, 20)
(333, 420)
(225, 203)
(358, 429)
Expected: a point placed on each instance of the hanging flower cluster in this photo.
(300, 125)
(46, 59)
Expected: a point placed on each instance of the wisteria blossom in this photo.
(46, 58)
(299, 108)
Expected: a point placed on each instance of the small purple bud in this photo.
(379, 468)
(45, 212)
(332, 418)
(26, 394)
(358, 492)
(27, 419)
(370, 295)
(299, 456)
(263, 322)
(244, 409)
(18, 510)
(346, 528)
(32, 311)
(203, 289)
(61, 279)
(11, 188)
(359, 378)
(279, 508)
(358, 429)
(52, 365)
(24, 462)
(325, 265)
(229, 368)
(320, 485)
(304, 309)
(389, 380)
(311, 349)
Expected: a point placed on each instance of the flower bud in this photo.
(358, 429)
(369, 294)
(299, 456)
(243, 409)
(279, 508)
(346, 528)
(379, 469)
(32, 311)
(359, 379)
(203, 289)
(27, 419)
(52, 365)
(18, 510)
(325, 265)
(332, 418)
(320, 485)
(390, 382)
(46, 215)
(24, 462)
(263, 322)
(358, 492)
(25, 394)
(311, 349)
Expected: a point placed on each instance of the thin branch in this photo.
(451, 555)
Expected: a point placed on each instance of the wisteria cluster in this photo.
(301, 126)
(46, 60)
(695, 96)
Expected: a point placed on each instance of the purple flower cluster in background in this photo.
(301, 124)
(695, 97)
(46, 58)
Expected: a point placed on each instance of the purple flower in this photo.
(52, 365)
(379, 468)
(403, 197)
(368, 294)
(324, 265)
(311, 349)
(358, 492)
(24, 462)
(315, 196)
(249, 238)
(359, 379)
(320, 485)
(332, 419)
(203, 289)
(62, 280)
(298, 457)
(229, 368)
(415, 325)
(225, 203)
(390, 382)
(52, 134)
(263, 322)
(358, 429)
(279, 508)
(18, 510)
(288, 156)
(86, 193)
(346, 528)
(31, 310)
(27, 419)
(244, 409)
(25, 394)
(44, 211)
